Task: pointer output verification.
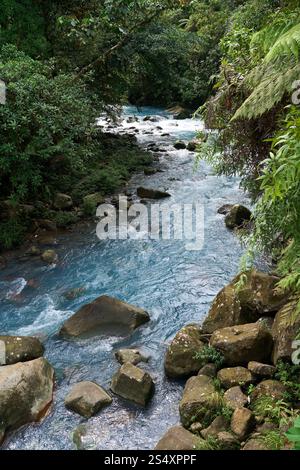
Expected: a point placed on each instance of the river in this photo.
(174, 285)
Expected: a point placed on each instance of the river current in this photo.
(174, 285)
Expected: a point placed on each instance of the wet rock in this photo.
(33, 251)
(133, 384)
(218, 425)
(75, 293)
(255, 444)
(180, 113)
(133, 356)
(49, 256)
(245, 300)
(228, 441)
(63, 201)
(148, 193)
(235, 398)
(177, 438)
(261, 370)
(242, 423)
(151, 119)
(209, 369)
(15, 349)
(180, 358)
(244, 343)
(235, 376)
(225, 209)
(180, 145)
(284, 333)
(103, 315)
(269, 388)
(131, 119)
(87, 398)
(26, 390)
(199, 400)
(192, 146)
(150, 171)
(237, 216)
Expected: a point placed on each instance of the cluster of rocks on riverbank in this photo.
(245, 326)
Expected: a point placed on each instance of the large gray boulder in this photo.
(104, 315)
(133, 384)
(180, 358)
(15, 349)
(284, 331)
(87, 398)
(242, 423)
(247, 298)
(200, 400)
(177, 438)
(26, 391)
(243, 343)
(269, 388)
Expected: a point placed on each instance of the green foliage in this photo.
(209, 355)
(43, 126)
(293, 434)
(289, 375)
(277, 411)
(11, 233)
(273, 440)
(211, 443)
(64, 219)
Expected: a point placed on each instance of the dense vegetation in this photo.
(241, 57)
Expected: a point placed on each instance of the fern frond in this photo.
(268, 93)
(287, 44)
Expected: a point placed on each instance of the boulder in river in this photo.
(87, 398)
(225, 209)
(237, 216)
(243, 343)
(62, 201)
(178, 439)
(104, 315)
(192, 146)
(284, 332)
(133, 356)
(133, 384)
(200, 400)
(15, 349)
(49, 256)
(148, 193)
(246, 299)
(26, 390)
(180, 358)
(180, 145)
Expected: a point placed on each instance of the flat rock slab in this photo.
(133, 383)
(87, 398)
(15, 349)
(104, 315)
(262, 370)
(26, 391)
(178, 438)
(133, 356)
